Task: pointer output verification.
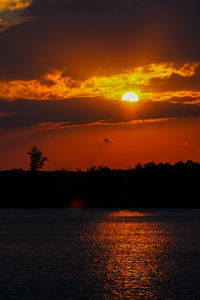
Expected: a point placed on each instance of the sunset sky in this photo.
(66, 64)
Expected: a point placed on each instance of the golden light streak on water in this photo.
(132, 248)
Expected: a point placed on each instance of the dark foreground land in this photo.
(148, 186)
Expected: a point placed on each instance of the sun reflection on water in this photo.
(128, 253)
(128, 213)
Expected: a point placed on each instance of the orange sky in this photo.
(65, 66)
(117, 146)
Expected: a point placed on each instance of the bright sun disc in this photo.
(130, 97)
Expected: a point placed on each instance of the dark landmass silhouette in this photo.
(146, 186)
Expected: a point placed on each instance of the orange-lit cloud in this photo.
(57, 85)
(13, 4)
(9, 12)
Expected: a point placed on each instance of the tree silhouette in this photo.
(37, 159)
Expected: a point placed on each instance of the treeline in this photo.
(145, 186)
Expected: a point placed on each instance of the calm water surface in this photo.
(99, 254)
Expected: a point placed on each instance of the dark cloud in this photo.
(26, 113)
(3, 114)
(106, 140)
(83, 36)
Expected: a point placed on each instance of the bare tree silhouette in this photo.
(37, 159)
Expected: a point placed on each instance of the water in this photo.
(99, 254)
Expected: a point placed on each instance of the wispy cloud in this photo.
(49, 126)
(182, 96)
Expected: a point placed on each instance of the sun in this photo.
(130, 96)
